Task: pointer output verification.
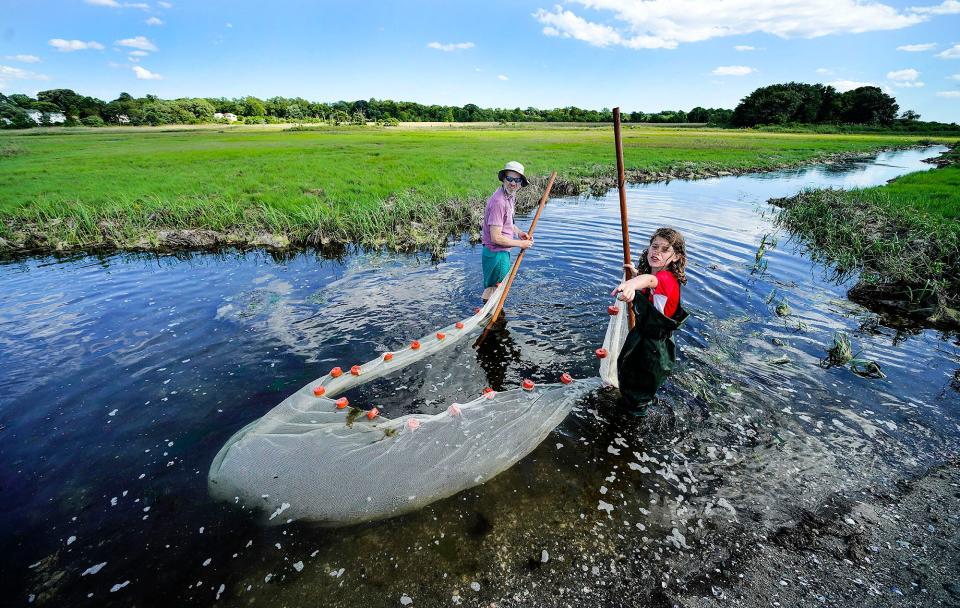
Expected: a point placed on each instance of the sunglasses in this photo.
(514, 180)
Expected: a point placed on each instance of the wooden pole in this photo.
(516, 263)
(621, 182)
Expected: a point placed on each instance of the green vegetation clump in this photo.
(902, 238)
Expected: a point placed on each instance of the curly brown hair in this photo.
(679, 266)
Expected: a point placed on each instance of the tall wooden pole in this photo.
(621, 182)
(516, 263)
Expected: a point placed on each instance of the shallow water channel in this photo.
(123, 375)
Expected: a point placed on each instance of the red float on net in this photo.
(355, 370)
(336, 372)
(566, 378)
(459, 325)
(388, 357)
(373, 414)
(527, 385)
(415, 344)
(601, 353)
(342, 402)
(612, 310)
(319, 391)
(441, 335)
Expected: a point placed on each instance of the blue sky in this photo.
(645, 55)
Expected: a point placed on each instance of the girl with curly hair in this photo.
(649, 352)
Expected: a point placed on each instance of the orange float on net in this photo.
(566, 378)
(413, 423)
(342, 402)
(355, 370)
(459, 325)
(441, 335)
(487, 391)
(601, 353)
(319, 391)
(612, 310)
(415, 344)
(388, 357)
(372, 414)
(336, 372)
(527, 385)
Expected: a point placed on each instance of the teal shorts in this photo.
(496, 267)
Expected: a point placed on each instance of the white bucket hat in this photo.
(516, 167)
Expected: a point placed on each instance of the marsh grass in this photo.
(395, 188)
(902, 238)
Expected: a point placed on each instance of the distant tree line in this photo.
(779, 104)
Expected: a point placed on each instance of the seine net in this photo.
(310, 459)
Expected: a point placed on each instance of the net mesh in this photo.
(307, 459)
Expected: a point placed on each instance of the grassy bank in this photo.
(152, 188)
(903, 238)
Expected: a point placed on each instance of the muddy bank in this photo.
(392, 227)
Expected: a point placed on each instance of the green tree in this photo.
(251, 106)
(869, 105)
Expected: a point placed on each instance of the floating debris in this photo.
(866, 368)
(840, 353)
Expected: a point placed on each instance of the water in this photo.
(123, 375)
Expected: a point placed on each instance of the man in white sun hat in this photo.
(499, 231)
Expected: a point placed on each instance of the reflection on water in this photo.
(124, 375)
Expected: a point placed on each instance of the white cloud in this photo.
(917, 48)
(145, 74)
(903, 75)
(951, 53)
(948, 7)
(154, 21)
(744, 47)
(952, 94)
(453, 46)
(909, 85)
(68, 46)
(164, 5)
(502, 77)
(115, 4)
(139, 53)
(668, 23)
(229, 25)
(23, 58)
(954, 77)
(133, 59)
(825, 71)
(848, 85)
(139, 42)
(732, 70)
(7, 71)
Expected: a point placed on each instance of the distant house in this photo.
(53, 118)
(227, 116)
(123, 119)
(6, 120)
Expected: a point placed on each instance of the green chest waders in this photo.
(649, 352)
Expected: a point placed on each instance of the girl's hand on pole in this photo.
(524, 235)
(625, 291)
(631, 270)
(525, 243)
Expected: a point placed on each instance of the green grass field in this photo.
(72, 188)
